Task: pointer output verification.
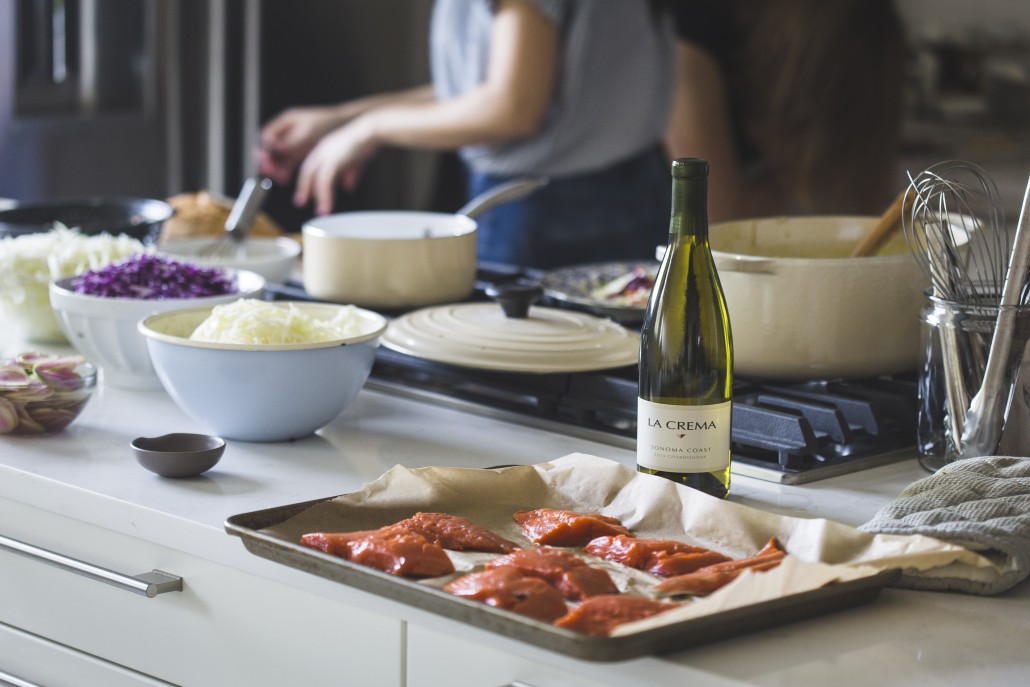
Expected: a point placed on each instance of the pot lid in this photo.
(482, 335)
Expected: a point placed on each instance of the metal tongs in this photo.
(981, 432)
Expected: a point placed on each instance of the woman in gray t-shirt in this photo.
(574, 90)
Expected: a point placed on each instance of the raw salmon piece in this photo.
(396, 552)
(335, 543)
(708, 579)
(599, 615)
(569, 574)
(553, 527)
(662, 557)
(513, 590)
(456, 533)
(683, 563)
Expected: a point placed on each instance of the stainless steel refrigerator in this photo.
(155, 97)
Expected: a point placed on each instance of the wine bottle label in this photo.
(677, 438)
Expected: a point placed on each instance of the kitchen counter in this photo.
(88, 474)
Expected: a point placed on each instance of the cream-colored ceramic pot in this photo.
(800, 308)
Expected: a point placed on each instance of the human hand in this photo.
(288, 138)
(338, 159)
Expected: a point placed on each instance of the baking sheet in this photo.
(830, 566)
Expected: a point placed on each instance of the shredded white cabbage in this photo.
(30, 261)
(250, 321)
(61, 252)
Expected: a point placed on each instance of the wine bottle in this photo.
(684, 409)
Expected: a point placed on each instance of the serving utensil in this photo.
(241, 217)
(986, 417)
(883, 230)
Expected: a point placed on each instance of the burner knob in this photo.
(515, 298)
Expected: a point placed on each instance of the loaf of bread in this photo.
(204, 214)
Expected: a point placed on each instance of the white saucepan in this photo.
(399, 259)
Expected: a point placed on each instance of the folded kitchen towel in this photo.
(980, 503)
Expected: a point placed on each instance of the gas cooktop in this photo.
(791, 433)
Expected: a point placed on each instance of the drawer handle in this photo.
(148, 584)
(8, 680)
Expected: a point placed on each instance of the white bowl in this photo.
(104, 329)
(273, 258)
(261, 392)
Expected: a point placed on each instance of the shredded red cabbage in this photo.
(152, 277)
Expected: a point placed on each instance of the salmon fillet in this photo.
(683, 563)
(513, 590)
(569, 574)
(663, 557)
(396, 552)
(552, 527)
(456, 533)
(599, 615)
(710, 578)
(446, 531)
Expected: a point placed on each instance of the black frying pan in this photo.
(140, 218)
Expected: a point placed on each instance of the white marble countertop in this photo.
(913, 638)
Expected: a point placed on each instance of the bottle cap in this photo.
(690, 168)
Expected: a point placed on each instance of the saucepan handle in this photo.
(500, 194)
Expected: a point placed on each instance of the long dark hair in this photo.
(821, 94)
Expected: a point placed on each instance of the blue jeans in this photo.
(620, 213)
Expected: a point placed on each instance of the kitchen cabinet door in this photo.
(226, 627)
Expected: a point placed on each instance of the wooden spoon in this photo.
(884, 228)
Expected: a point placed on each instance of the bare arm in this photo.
(287, 138)
(511, 103)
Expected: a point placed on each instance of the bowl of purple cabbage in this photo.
(42, 393)
(98, 310)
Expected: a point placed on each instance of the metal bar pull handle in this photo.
(8, 680)
(148, 584)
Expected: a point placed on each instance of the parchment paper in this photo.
(820, 551)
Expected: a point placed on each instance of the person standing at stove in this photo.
(577, 91)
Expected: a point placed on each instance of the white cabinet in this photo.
(436, 659)
(226, 627)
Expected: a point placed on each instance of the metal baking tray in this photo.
(672, 637)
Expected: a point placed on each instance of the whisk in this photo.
(955, 227)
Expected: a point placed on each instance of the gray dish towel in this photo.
(980, 503)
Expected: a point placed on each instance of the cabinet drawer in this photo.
(40, 662)
(225, 626)
(438, 660)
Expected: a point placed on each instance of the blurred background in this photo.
(156, 97)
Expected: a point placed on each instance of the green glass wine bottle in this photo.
(684, 410)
